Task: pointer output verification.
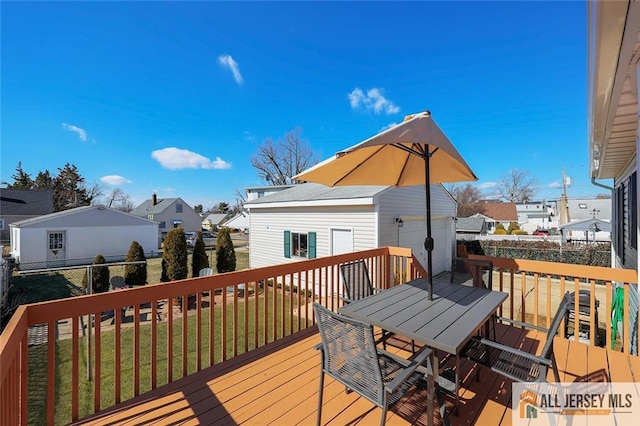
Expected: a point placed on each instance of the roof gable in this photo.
(147, 207)
(25, 202)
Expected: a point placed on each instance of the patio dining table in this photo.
(446, 323)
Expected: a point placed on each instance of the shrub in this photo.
(500, 226)
(175, 255)
(225, 253)
(513, 227)
(99, 276)
(135, 274)
(500, 232)
(199, 259)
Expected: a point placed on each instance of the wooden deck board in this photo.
(278, 385)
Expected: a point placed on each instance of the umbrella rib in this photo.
(410, 150)
(357, 167)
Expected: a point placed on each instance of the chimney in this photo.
(154, 199)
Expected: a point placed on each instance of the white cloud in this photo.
(82, 134)
(176, 159)
(373, 100)
(228, 62)
(487, 185)
(114, 180)
(556, 184)
(388, 126)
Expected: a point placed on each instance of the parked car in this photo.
(209, 239)
(543, 232)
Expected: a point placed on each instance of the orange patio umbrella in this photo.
(414, 152)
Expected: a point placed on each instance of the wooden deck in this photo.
(278, 384)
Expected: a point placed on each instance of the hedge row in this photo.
(589, 254)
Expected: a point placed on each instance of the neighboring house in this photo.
(312, 220)
(169, 213)
(471, 226)
(213, 221)
(614, 76)
(537, 215)
(21, 204)
(76, 236)
(494, 213)
(589, 208)
(239, 221)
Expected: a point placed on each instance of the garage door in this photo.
(412, 235)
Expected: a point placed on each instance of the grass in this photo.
(68, 283)
(38, 358)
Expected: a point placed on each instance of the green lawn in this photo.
(38, 359)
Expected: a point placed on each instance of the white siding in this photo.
(266, 239)
(408, 203)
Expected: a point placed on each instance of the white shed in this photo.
(312, 220)
(77, 235)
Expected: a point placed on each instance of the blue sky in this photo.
(175, 97)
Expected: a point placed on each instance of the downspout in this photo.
(593, 182)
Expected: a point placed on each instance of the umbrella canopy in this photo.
(414, 152)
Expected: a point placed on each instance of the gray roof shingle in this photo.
(25, 202)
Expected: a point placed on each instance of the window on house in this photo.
(582, 205)
(300, 244)
(178, 208)
(150, 216)
(56, 241)
(162, 225)
(1, 223)
(633, 211)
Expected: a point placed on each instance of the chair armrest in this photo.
(522, 324)
(346, 299)
(513, 351)
(411, 367)
(318, 347)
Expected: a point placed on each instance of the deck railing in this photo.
(535, 289)
(151, 342)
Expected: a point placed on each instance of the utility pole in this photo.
(564, 205)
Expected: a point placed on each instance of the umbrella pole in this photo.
(428, 242)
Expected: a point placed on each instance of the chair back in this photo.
(117, 282)
(555, 324)
(349, 353)
(205, 272)
(355, 277)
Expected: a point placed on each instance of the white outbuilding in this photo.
(312, 220)
(76, 236)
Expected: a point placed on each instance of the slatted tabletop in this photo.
(447, 322)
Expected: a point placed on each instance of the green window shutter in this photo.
(287, 244)
(312, 245)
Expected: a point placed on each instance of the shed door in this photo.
(56, 249)
(341, 241)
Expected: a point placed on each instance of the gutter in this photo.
(593, 182)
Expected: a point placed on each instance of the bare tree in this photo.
(118, 200)
(276, 161)
(517, 186)
(468, 198)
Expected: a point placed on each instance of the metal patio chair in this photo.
(515, 364)
(349, 354)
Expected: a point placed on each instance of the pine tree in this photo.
(175, 254)
(199, 258)
(21, 180)
(225, 253)
(135, 274)
(99, 276)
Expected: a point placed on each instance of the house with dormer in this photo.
(169, 213)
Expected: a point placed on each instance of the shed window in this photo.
(300, 244)
(56, 241)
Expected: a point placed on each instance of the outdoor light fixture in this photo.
(399, 222)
